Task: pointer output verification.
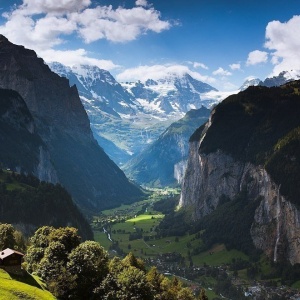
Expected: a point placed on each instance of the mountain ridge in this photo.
(83, 168)
(162, 162)
(119, 112)
(259, 158)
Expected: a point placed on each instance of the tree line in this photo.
(83, 270)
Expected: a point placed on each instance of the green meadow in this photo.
(120, 232)
(25, 288)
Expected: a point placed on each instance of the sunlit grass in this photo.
(145, 217)
(11, 289)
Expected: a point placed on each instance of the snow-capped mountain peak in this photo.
(282, 78)
(143, 109)
(173, 94)
(250, 81)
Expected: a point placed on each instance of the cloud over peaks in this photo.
(117, 25)
(30, 7)
(156, 72)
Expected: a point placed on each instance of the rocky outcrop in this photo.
(47, 95)
(22, 149)
(45, 170)
(276, 224)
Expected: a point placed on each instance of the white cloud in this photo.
(117, 25)
(283, 40)
(141, 3)
(76, 57)
(248, 78)
(156, 72)
(236, 66)
(31, 7)
(221, 72)
(197, 65)
(45, 25)
(257, 57)
(102, 22)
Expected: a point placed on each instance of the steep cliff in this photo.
(21, 148)
(82, 167)
(252, 144)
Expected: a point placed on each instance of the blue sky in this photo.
(217, 41)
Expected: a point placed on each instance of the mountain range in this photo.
(242, 169)
(121, 112)
(63, 148)
(280, 79)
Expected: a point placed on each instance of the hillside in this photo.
(82, 167)
(162, 162)
(23, 196)
(249, 150)
(22, 288)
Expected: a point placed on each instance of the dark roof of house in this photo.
(7, 252)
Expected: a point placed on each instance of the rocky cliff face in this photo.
(45, 170)
(276, 224)
(21, 148)
(215, 169)
(47, 95)
(81, 165)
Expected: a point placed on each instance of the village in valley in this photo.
(134, 228)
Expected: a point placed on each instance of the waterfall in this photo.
(108, 234)
(278, 215)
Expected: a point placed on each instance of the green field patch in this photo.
(111, 212)
(145, 218)
(218, 255)
(4, 275)
(174, 244)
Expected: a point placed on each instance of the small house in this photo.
(11, 260)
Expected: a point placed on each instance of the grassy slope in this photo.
(29, 289)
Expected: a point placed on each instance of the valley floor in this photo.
(134, 228)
